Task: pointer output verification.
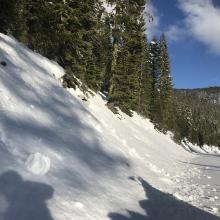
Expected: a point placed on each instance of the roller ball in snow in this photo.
(38, 164)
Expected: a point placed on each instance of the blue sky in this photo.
(193, 31)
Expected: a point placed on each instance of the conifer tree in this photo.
(66, 31)
(155, 108)
(7, 13)
(39, 22)
(165, 86)
(145, 81)
(127, 49)
(183, 121)
(12, 20)
(107, 53)
(77, 31)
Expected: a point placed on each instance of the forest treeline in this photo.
(108, 52)
(198, 115)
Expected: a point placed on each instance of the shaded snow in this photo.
(62, 158)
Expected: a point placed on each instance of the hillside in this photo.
(62, 158)
(199, 109)
(211, 95)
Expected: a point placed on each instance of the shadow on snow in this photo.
(163, 206)
(23, 200)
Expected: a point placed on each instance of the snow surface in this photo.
(62, 158)
(200, 149)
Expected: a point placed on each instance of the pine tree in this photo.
(79, 25)
(145, 81)
(6, 14)
(165, 86)
(128, 32)
(107, 53)
(183, 121)
(39, 24)
(12, 20)
(155, 108)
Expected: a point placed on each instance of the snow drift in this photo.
(63, 159)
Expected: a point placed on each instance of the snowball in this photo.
(38, 164)
(215, 209)
(79, 205)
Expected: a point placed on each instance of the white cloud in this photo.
(153, 25)
(202, 21)
(175, 33)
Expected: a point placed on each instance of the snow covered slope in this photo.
(63, 159)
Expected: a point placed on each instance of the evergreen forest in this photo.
(110, 52)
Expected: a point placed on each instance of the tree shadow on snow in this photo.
(50, 118)
(23, 200)
(163, 206)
